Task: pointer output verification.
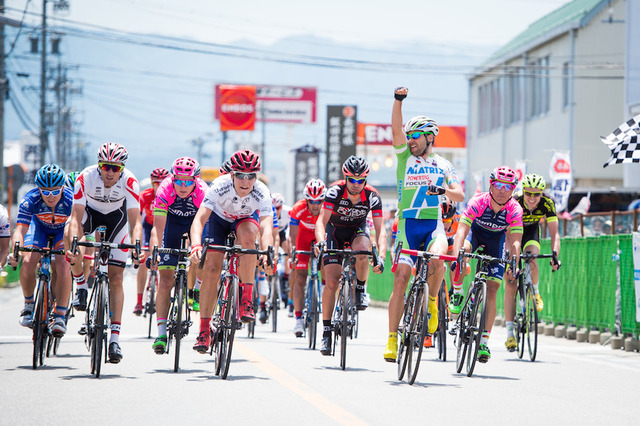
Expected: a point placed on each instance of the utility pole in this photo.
(3, 91)
(43, 86)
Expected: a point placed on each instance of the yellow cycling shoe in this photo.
(391, 350)
(433, 318)
(511, 344)
(539, 302)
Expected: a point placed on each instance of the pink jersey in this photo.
(480, 216)
(168, 202)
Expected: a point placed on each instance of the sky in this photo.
(132, 92)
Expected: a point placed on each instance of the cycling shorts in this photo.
(146, 233)
(37, 236)
(173, 232)
(219, 229)
(338, 237)
(531, 236)
(493, 246)
(116, 230)
(304, 241)
(417, 234)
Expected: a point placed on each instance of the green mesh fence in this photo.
(581, 293)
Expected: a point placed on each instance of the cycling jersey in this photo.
(414, 174)
(344, 212)
(183, 210)
(284, 219)
(33, 209)
(480, 216)
(222, 199)
(90, 191)
(546, 208)
(306, 223)
(146, 205)
(4, 223)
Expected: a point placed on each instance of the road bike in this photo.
(413, 327)
(149, 298)
(179, 316)
(43, 308)
(224, 321)
(440, 337)
(525, 325)
(312, 309)
(467, 330)
(98, 315)
(344, 317)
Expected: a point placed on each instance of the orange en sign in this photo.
(237, 106)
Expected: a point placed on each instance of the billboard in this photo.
(341, 138)
(281, 104)
(237, 107)
(307, 167)
(380, 134)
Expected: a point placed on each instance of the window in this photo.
(538, 89)
(512, 96)
(565, 84)
(489, 106)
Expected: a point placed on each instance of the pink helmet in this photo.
(185, 166)
(245, 161)
(277, 199)
(113, 153)
(159, 174)
(504, 174)
(315, 190)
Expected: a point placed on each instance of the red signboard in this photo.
(237, 107)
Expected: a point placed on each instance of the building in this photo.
(566, 80)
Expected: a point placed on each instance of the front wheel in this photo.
(531, 323)
(150, 305)
(181, 306)
(476, 324)
(230, 323)
(39, 324)
(275, 302)
(443, 323)
(417, 333)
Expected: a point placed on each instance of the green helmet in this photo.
(535, 181)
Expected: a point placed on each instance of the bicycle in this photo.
(179, 317)
(43, 312)
(224, 321)
(312, 309)
(273, 301)
(54, 342)
(467, 330)
(526, 314)
(443, 321)
(344, 317)
(98, 315)
(150, 297)
(413, 327)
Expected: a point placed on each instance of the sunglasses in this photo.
(111, 167)
(356, 181)
(532, 194)
(416, 135)
(504, 186)
(53, 192)
(314, 202)
(181, 182)
(243, 176)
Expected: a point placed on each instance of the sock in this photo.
(162, 326)
(432, 301)
(263, 305)
(61, 311)
(393, 335)
(80, 281)
(204, 324)
(197, 284)
(115, 332)
(457, 287)
(139, 298)
(30, 300)
(298, 314)
(326, 324)
(535, 288)
(510, 325)
(360, 286)
(484, 340)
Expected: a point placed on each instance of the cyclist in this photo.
(422, 175)
(304, 215)
(106, 194)
(43, 212)
(489, 219)
(146, 210)
(342, 221)
(284, 237)
(176, 203)
(234, 202)
(261, 276)
(535, 206)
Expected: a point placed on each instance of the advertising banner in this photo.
(560, 173)
(381, 134)
(307, 167)
(237, 107)
(636, 271)
(341, 138)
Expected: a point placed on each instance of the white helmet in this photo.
(421, 123)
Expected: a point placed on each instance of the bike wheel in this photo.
(520, 322)
(344, 326)
(181, 288)
(443, 324)
(314, 313)
(417, 333)
(476, 325)
(39, 323)
(275, 302)
(100, 324)
(217, 335)
(403, 334)
(151, 301)
(231, 320)
(461, 340)
(531, 323)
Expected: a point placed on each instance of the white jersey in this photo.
(90, 191)
(284, 219)
(4, 222)
(224, 201)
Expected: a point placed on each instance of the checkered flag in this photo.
(623, 143)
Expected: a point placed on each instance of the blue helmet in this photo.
(71, 179)
(50, 175)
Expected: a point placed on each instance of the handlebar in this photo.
(104, 244)
(236, 250)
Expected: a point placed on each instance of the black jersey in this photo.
(344, 212)
(546, 208)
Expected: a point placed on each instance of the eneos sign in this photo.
(237, 107)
